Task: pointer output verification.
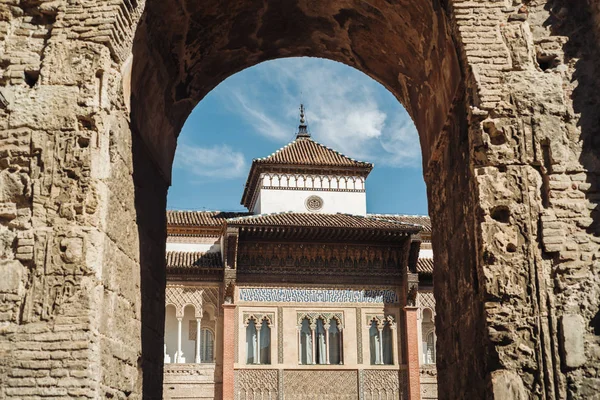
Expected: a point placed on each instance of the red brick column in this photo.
(228, 350)
(411, 334)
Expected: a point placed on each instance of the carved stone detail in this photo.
(258, 317)
(280, 335)
(320, 259)
(381, 384)
(381, 319)
(359, 347)
(256, 384)
(307, 384)
(313, 316)
(181, 296)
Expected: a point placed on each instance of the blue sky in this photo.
(255, 112)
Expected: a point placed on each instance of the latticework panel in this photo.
(255, 384)
(313, 385)
(381, 384)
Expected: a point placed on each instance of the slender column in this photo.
(341, 345)
(412, 353)
(178, 355)
(215, 339)
(395, 345)
(312, 334)
(299, 345)
(258, 343)
(198, 343)
(326, 327)
(380, 332)
(229, 325)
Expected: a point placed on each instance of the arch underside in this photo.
(183, 49)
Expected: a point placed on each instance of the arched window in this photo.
(430, 348)
(381, 342)
(207, 345)
(335, 342)
(387, 344)
(428, 338)
(265, 342)
(305, 343)
(251, 347)
(375, 343)
(320, 345)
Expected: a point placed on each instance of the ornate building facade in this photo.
(306, 296)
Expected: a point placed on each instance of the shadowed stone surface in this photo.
(505, 98)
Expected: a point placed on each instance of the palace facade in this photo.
(307, 296)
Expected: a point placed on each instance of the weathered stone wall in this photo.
(512, 176)
(71, 305)
(533, 152)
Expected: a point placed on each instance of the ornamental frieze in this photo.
(320, 259)
(308, 295)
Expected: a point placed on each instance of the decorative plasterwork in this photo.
(256, 384)
(313, 316)
(323, 259)
(315, 189)
(339, 384)
(381, 319)
(280, 335)
(381, 384)
(359, 349)
(181, 296)
(426, 300)
(309, 295)
(258, 317)
(314, 203)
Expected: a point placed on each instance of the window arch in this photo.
(335, 342)
(265, 342)
(387, 344)
(207, 345)
(428, 338)
(258, 340)
(375, 343)
(251, 342)
(381, 340)
(305, 342)
(430, 348)
(320, 342)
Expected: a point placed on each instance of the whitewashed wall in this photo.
(288, 192)
(278, 200)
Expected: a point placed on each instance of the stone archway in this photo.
(503, 96)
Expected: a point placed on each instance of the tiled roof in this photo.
(321, 221)
(425, 265)
(305, 151)
(200, 218)
(409, 219)
(193, 260)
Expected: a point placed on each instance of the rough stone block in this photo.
(507, 385)
(11, 272)
(572, 340)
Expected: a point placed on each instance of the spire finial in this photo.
(302, 128)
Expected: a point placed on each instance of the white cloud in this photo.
(345, 109)
(401, 144)
(219, 161)
(262, 122)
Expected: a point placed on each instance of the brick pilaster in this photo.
(411, 335)
(228, 350)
